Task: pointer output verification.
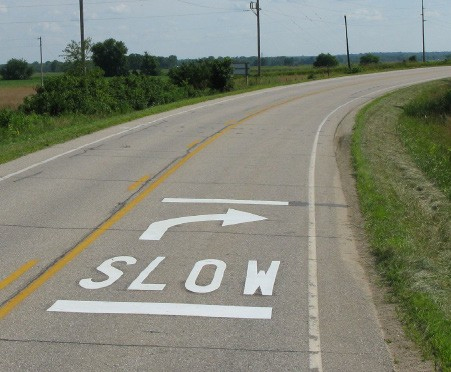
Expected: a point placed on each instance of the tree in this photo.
(134, 61)
(149, 65)
(326, 60)
(413, 58)
(73, 56)
(16, 69)
(110, 56)
(368, 59)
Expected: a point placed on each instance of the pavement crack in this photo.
(106, 344)
(29, 176)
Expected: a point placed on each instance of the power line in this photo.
(119, 18)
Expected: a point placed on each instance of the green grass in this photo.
(38, 132)
(425, 129)
(20, 83)
(22, 139)
(35, 80)
(407, 221)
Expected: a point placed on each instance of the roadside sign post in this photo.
(241, 69)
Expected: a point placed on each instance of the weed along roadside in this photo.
(62, 110)
(401, 157)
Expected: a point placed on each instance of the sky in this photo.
(202, 28)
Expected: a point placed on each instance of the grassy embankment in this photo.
(40, 132)
(402, 156)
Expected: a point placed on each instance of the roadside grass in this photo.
(425, 129)
(22, 138)
(38, 131)
(407, 218)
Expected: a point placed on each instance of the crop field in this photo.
(12, 92)
(12, 97)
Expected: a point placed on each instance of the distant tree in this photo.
(16, 69)
(149, 65)
(172, 61)
(54, 66)
(288, 61)
(73, 56)
(368, 59)
(110, 56)
(134, 61)
(413, 59)
(325, 60)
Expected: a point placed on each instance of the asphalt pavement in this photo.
(214, 237)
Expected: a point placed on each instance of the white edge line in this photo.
(4, 178)
(151, 308)
(315, 357)
(225, 201)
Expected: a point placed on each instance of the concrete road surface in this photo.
(210, 238)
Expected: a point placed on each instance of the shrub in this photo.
(202, 74)
(71, 94)
(94, 94)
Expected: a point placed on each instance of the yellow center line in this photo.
(136, 184)
(192, 144)
(17, 274)
(6, 308)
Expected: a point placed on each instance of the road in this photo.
(211, 237)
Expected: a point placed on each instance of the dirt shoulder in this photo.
(406, 355)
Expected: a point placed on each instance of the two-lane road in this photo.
(213, 237)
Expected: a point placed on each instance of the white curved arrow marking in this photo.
(233, 217)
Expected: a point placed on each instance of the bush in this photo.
(71, 94)
(93, 94)
(16, 69)
(202, 74)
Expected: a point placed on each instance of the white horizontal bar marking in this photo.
(224, 201)
(150, 308)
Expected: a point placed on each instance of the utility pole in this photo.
(347, 43)
(256, 7)
(422, 18)
(82, 36)
(42, 69)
